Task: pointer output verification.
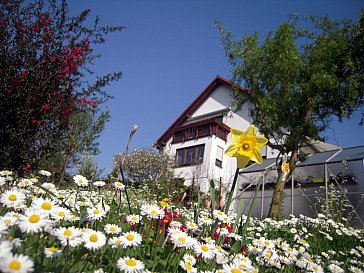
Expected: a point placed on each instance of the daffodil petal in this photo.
(257, 156)
(242, 161)
(251, 130)
(261, 141)
(236, 135)
(232, 149)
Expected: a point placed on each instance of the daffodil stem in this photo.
(232, 190)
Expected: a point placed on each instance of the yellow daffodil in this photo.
(246, 146)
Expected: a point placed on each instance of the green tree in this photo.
(45, 55)
(298, 77)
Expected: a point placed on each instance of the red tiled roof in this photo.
(162, 140)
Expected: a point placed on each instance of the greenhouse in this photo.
(311, 184)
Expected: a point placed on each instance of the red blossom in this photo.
(85, 40)
(27, 167)
(45, 107)
(24, 73)
(16, 81)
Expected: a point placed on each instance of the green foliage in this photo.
(297, 79)
(89, 169)
(49, 113)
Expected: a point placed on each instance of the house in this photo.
(199, 137)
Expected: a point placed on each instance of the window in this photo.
(190, 155)
(219, 155)
(201, 129)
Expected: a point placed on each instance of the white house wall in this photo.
(219, 100)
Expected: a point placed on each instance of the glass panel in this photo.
(219, 153)
(179, 157)
(200, 154)
(190, 154)
(178, 136)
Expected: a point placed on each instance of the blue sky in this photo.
(171, 50)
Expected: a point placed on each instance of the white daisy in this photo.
(119, 186)
(181, 239)
(112, 229)
(99, 184)
(218, 214)
(188, 258)
(335, 268)
(130, 239)
(70, 235)
(191, 226)
(32, 221)
(133, 219)
(93, 239)
(45, 173)
(16, 263)
(130, 265)
(80, 180)
(152, 211)
(52, 252)
(25, 182)
(207, 251)
(5, 248)
(206, 221)
(60, 213)
(187, 267)
(45, 205)
(115, 242)
(96, 213)
(12, 198)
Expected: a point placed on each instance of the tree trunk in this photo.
(277, 197)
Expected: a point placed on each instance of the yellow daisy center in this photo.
(154, 212)
(67, 233)
(130, 262)
(53, 249)
(46, 206)
(235, 270)
(182, 239)
(188, 266)
(34, 218)
(205, 248)
(134, 218)
(15, 265)
(61, 213)
(12, 197)
(117, 242)
(112, 229)
(130, 237)
(93, 238)
(96, 211)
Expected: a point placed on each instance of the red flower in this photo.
(27, 167)
(85, 40)
(24, 73)
(45, 107)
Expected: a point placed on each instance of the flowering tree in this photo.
(153, 169)
(297, 80)
(44, 101)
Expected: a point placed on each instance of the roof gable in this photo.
(188, 112)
